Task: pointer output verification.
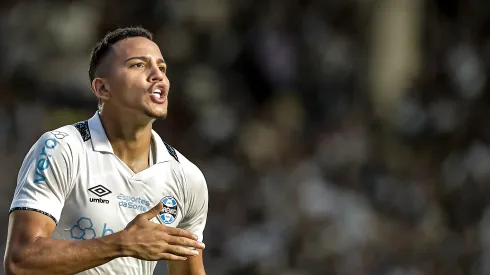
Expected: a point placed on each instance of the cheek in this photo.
(132, 87)
(119, 85)
(168, 82)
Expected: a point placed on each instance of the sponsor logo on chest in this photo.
(100, 191)
(131, 202)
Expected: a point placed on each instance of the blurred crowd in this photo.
(271, 99)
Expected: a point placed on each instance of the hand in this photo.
(146, 240)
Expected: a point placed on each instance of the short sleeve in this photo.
(197, 205)
(46, 176)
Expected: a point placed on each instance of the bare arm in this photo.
(31, 251)
(192, 266)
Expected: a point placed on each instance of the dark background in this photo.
(337, 137)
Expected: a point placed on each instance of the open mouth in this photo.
(157, 93)
(158, 96)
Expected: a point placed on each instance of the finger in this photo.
(184, 242)
(150, 214)
(181, 251)
(179, 232)
(172, 257)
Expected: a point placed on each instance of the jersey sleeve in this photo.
(46, 176)
(197, 210)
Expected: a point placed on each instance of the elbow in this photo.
(12, 266)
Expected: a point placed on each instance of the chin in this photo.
(164, 116)
(156, 115)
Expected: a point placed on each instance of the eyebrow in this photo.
(145, 58)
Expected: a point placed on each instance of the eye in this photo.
(163, 68)
(139, 65)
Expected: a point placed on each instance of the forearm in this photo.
(51, 256)
(192, 266)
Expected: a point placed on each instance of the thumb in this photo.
(150, 214)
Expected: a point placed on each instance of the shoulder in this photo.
(191, 171)
(190, 174)
(193, 176)
(66, 139)
(195, 183)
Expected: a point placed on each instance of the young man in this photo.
(107, 195)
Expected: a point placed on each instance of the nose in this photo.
(156, 75)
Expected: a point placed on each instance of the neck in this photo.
(130, 140)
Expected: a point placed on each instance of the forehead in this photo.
(136, 46)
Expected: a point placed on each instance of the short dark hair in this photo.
(111, 38)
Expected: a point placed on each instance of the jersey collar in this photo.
(101, 143)
(162, 154)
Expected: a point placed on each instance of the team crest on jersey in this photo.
(169, 211)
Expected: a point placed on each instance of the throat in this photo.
(134, 163)
(139, 163)
(137, 167)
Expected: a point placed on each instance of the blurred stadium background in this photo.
(337, 137)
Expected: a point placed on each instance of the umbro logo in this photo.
(99, 191)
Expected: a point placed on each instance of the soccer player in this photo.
(107, 195)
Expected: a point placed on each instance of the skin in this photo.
(129, 74)
(125, 80)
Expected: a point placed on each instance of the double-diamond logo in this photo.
(99, 191)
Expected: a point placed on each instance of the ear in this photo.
(100, 89)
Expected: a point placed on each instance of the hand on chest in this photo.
(114, 199)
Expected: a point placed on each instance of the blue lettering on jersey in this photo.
(43, 162)
(84, 230)
(133, 202)
(106, 231)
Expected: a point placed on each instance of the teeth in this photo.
(157, 93)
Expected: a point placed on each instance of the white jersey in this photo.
(73, 176)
